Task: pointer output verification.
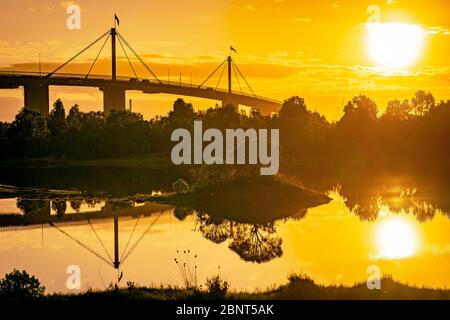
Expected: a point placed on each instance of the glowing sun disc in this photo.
(396, 238)
(394, 45)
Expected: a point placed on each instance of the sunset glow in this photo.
(323, 51)
(394, 45)
(396, 238)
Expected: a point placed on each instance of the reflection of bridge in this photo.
(15, 222)
(36, 84)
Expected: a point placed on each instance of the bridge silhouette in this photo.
(36, 84)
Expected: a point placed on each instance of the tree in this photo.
(74, 118)
(301, 131)
(360, 108)
(422, 102)
(19, 285)
(356, 132)
(57, 119)
(398, 110)
(28, 133)
(182, 110)
(293, 108)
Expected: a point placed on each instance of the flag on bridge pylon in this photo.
(116, 19)
(233, 49)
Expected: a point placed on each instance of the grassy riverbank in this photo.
(298, 288)
(258, 199)
(155, 160)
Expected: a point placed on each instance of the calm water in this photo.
(399, 224)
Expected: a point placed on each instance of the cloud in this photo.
(66, 4)
(249, 7)
(438, 30)
(300, 19)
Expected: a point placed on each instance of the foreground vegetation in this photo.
(21, 286)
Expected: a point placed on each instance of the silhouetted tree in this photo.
(19, 285)
(28, 133)
(422, 102)
(57, 119)
(398, 110)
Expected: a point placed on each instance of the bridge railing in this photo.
(75, 76)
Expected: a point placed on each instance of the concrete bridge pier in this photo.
(36, 98)
(113, 99)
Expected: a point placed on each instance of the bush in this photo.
(180, 186)
(19, 285)
(217, 287)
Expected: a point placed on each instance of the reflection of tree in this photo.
(424, 211)
(33, 207)
(252, 242)
(182, 212)
(214, 229)
(403, 202)
(118, 204)
(407, 202)
(76, 205)
(92, 202)
(367, 211)
(256, 243)
(60, 208)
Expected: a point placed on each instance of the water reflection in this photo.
(396, 237)
(403, 201)
(252, 242)
(404, 234)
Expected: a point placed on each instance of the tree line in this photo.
(408, 130)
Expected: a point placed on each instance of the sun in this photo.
(394, 45)
(396, 238)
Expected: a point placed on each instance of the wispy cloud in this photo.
(438, 30)
(250, 7)
(391, 2)
(301, 19)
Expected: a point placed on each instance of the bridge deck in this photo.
(15, 79)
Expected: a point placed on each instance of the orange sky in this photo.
(315, 49)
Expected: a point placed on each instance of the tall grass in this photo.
(187, 267)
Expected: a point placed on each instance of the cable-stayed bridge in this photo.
(36, 84)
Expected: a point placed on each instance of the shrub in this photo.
(217, 287)
(180, 186)
(19, 285)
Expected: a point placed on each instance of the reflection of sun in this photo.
(396, 237)
(394, 45)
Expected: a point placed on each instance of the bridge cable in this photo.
(248, 85)
(101, 242)
(237, 79)
(101, 49)
(140, 238)
(221, 74)
(126, 55)
(81, 244)
(129, 239)
(139, 58)
(75, 56)
(201, 85)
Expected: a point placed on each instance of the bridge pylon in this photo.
(113, 96)
(37, 98)
(229, 62)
